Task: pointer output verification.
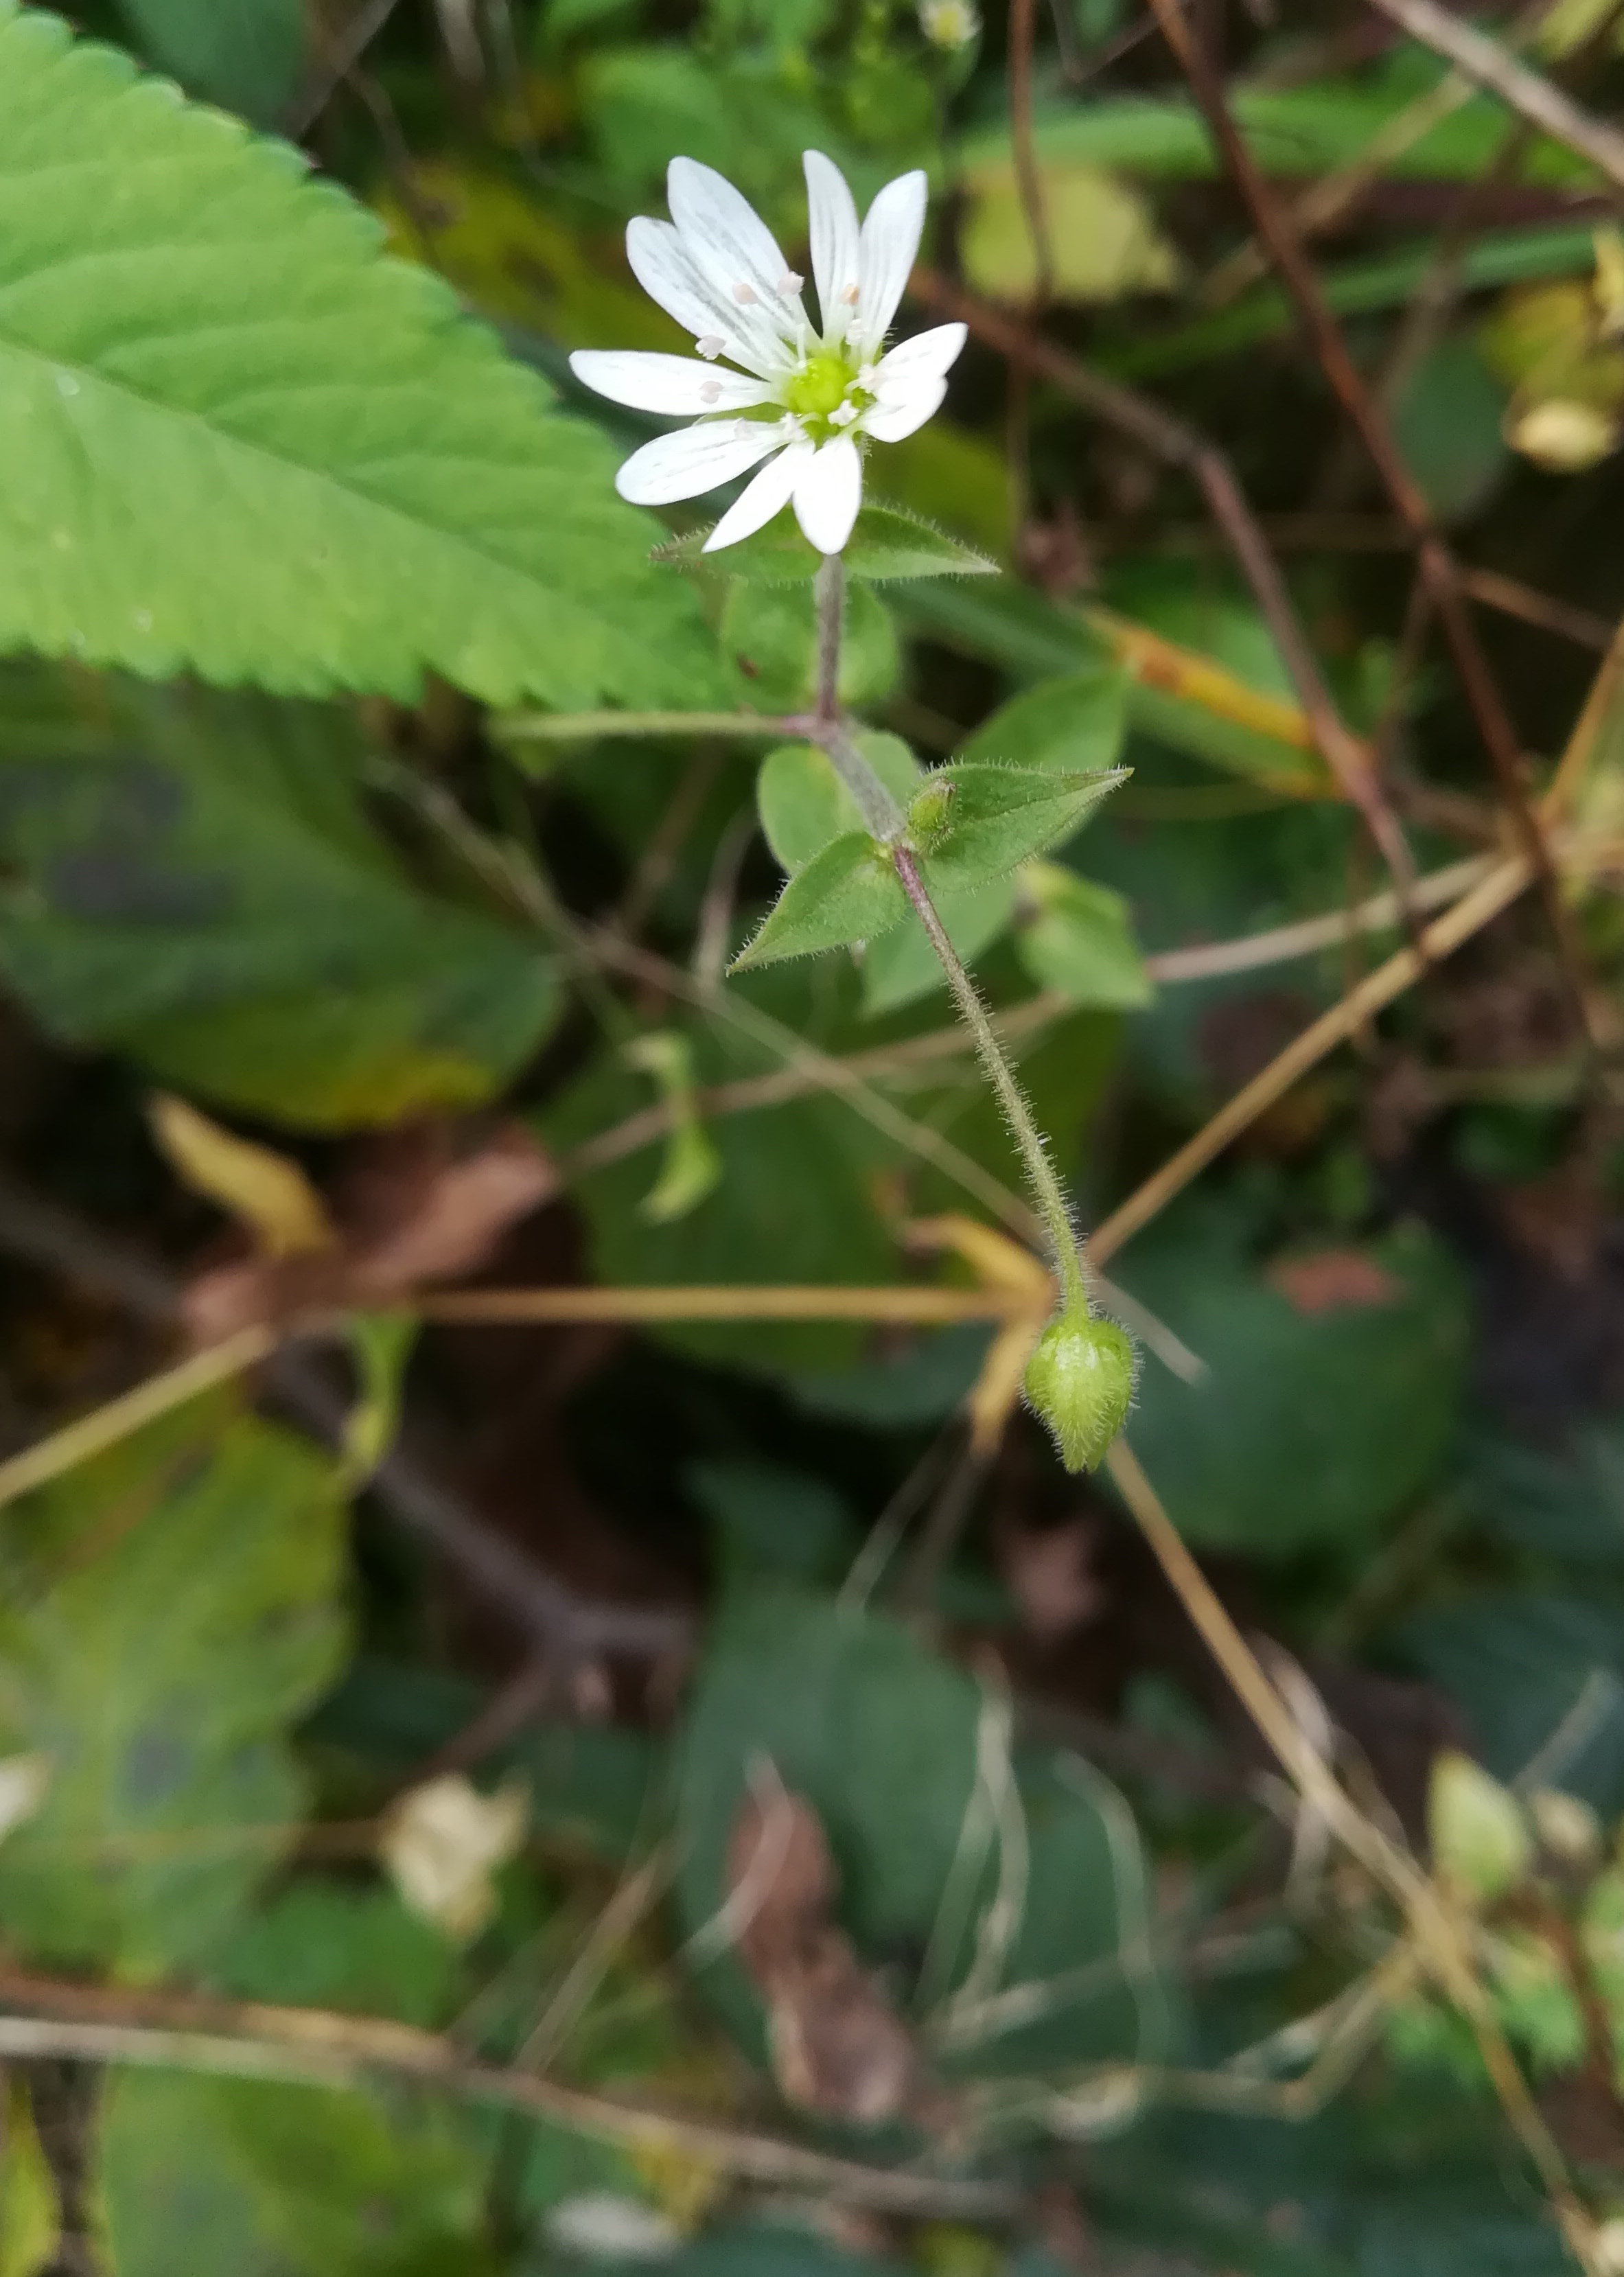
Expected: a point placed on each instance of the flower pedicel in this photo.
(803, 399)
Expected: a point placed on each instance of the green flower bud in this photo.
(1080, 1380)
(929, 813)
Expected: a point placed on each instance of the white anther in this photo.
(789, 283)
(842, 415)
(711, 391)
(745, 295)
(852, 295)
(710, 345)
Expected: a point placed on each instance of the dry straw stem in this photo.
(1435, 1934)
(1487, 65)
(93, 1434)
(312, 2047)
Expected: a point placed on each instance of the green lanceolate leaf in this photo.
(802, 803)
(169, 1611)
(1078, 721)
(236, 440)
(191, 877)
(848, 893)
(998, 816)
(1082, 943)
(887, 543)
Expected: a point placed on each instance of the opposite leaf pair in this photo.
(967, 823)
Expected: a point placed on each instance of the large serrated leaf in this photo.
(848, 893)
(999, 817)
(249, 54)
(166, 1613)
(190, 877)
(235, 439)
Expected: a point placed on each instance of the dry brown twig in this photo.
(1435, 560)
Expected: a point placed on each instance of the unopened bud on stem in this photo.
(1081, 1381)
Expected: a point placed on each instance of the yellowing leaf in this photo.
(1103, 238)
(268, 1192)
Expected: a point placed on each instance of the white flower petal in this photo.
(827, 493)
(762, 497)
(835, 237)
(728, 241)
(891, 233)
(694, 459)
(663, 265)
(892, 421)
(927, 355)
(678, 385)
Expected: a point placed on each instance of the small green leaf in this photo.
(769, 636)
(1078, 721)
(1081, 941)
(887, 543)
(1002, 816)
(848, 893)
(380, 1347)
(802, 803)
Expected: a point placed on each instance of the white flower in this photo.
(809, 399)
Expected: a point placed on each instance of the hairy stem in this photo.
(884, 819)
(1046, 1187)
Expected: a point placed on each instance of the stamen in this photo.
(852, 295)
(710, 345)
(744, 294)
(842, 415)
(789, 283)
(711, 392)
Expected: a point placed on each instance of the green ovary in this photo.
(819, 387)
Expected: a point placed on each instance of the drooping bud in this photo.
(1081, 1381)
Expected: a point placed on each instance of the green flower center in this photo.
(819, 386)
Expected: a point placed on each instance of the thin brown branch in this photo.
(1179, 445)
(1023, 34)
(1487, 65)
(1437, 563)
(312, 2047)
